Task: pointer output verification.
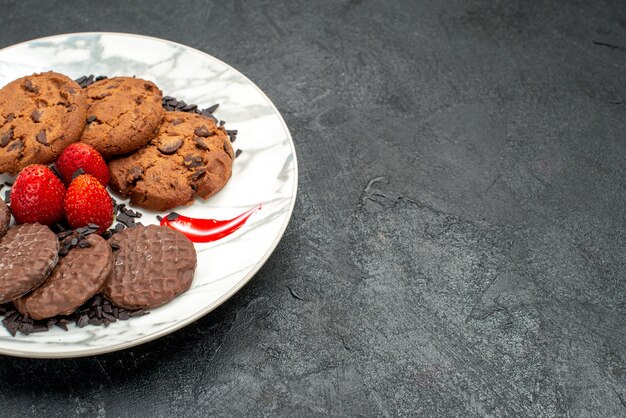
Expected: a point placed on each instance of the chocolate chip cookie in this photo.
(28, 253)
(189, 157)
(40, 115)
(153, 265)
(77, 277)
(123, 114)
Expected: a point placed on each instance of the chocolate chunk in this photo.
(227, 150)
(10, 117)
(91, 118)
(100, 96)
(101, 77)
(198, 174)
(169, 146)
(200, 143)
(29, 86)
(202, 131)
(36, 116)
(192, 161)
(134, 174)
(41, 137)
(16, 145)
(238, 153)
(6, 137)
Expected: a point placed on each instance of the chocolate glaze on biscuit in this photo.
(189, 157)
(28, 253)
(153, 264)
(77, 277)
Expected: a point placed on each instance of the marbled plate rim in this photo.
(236, 287)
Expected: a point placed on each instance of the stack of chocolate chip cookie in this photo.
(160, 159)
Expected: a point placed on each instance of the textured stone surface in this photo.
(458, 243)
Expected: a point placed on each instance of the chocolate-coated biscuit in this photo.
(189, 157)
(153, 265)
(5, 218)
(123, 114)
(40, 115)
(28, 253)
(77, 277)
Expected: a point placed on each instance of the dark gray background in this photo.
(457, 247)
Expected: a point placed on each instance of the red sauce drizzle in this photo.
(206, 230)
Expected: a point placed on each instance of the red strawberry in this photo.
(87, 201)
(37, 196)
(79, 155)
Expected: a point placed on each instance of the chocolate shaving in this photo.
(172, 216)
(55, 170)
(96, 311)
(78, 172)
(212, 109)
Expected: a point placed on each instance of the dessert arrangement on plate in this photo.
(73, 254)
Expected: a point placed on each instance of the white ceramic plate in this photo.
(266, 172)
